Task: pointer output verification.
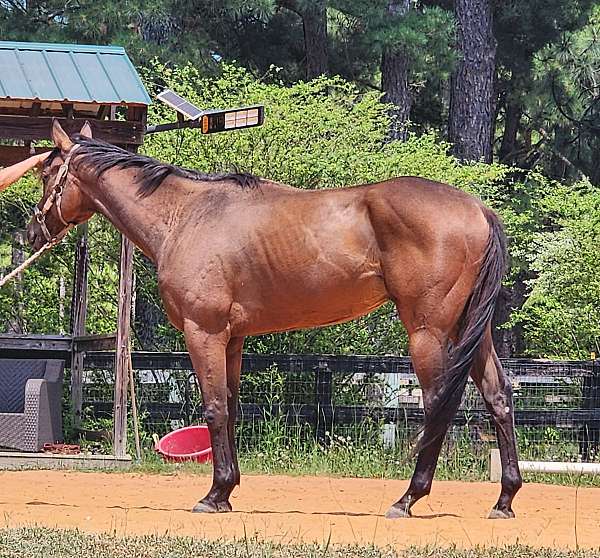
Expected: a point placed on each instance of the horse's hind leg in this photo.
(491, 380)
(234, 368)
(208, 353)
(428, 349)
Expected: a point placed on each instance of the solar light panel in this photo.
(233, 119)
(170, 98)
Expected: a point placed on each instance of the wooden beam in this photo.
(68, 110)
(122, 353)
(123, 350)
(103, 112)
(87, 343)
(11, 154)
(78, 318)
(34, 342)
(26, 128)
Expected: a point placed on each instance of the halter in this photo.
(40, 214)
(54, 199)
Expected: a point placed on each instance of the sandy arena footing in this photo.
(297, 509)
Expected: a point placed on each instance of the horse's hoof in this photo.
(397, 512)
(501, 514)
(209, 507)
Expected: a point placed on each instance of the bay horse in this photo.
(237, 256)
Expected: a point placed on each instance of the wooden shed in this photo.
(75, 83)
(39, 81)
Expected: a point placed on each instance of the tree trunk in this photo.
(512, 120)
(395, 67)
(314, 20)
(509, 342)
(471, 122)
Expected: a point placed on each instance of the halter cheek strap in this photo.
(54, 199)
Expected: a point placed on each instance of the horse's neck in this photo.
(146, 221)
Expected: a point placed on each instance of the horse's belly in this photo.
(306, 306)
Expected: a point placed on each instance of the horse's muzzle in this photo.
(34, 235)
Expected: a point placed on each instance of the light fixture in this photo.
(233, 119)
(209, 121)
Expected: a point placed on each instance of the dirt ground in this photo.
(295, 509)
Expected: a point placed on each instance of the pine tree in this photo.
(472, 99)
(410, 44)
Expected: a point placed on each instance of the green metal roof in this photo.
(69, 73)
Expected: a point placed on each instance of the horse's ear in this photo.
(86, 131)
(60, 137)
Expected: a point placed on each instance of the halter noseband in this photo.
(54, 199)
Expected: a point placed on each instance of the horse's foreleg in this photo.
(496, 390)
(207, 351)
(429, 354)
(234, 368)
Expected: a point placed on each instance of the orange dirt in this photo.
(295, 509)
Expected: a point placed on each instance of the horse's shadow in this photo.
(340, 513)
(253, 512)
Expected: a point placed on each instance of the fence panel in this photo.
(557, 404)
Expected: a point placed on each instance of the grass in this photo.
(35, 542)
(252, 465)
(274, 446)
(280, 450)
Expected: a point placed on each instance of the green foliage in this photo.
(322, 134)
(562, 313)
(328, 134)
(34, 301)
(564, 98)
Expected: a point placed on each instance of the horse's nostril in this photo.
(30, 235)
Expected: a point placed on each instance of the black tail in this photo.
(476, 317)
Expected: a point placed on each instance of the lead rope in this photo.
(32, 258)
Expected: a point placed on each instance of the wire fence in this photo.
(372, 399)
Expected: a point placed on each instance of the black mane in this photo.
(103, 156)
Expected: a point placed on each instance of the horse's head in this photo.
(63, 203)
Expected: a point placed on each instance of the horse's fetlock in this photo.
(512, 482)
(226, 476)
(421, 486)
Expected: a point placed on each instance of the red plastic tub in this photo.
(191, 443)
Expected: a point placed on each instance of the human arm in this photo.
(9, 175)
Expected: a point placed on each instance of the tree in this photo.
(314, 23)
(146, 28)
(472, 106)
(526, 30)
(395, 69)
(562, 103)
(410, 46)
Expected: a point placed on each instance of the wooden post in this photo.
(15, 322)
(391, 394)
(78, 318)
(324, 396)
(589, 433)
(122, 353)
